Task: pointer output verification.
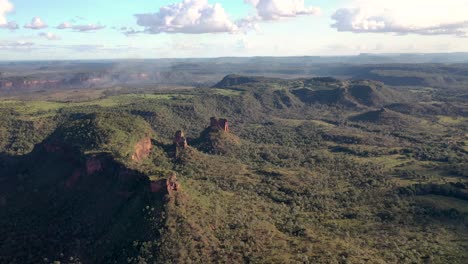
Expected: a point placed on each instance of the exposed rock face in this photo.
(167, 186)
(142, 149)
(171, 184)
(92, 165)
(220, 124)
(216, 139)
(180, 141)
(27, 84)
(6, 84)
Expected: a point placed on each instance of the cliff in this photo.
(142, 149)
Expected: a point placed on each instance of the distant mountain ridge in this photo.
(319, 90)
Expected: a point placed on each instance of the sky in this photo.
(120, 29)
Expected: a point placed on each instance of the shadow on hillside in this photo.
(57, 202)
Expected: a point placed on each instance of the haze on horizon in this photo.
(105, 29)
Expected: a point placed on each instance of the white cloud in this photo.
(189, 16)
(64, 25)
(10, 25)
(423, 17)
(36, 23)
(80, 28)
(17, 45)
(6, 7)
(278, 9)
(49, 35)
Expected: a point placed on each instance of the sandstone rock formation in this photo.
(172, 184)
(92, 165)
(166, 186)
(142, 149)
(180, 141)
(219, 124)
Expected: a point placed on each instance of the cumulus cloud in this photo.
(49, 35)
(10, 25)
(80, 28)
(278, 9)
(421, 17)
(6, 7)
(189, 16)
(36, 23)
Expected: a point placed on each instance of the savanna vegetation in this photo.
(313, 170)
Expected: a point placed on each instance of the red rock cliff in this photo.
(142, 149)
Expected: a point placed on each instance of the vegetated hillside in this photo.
(117, 133)
(237, 80)
(402, 71)
(216, 138)
(385, 117)
(432, 108)
(327, 91)
(63, 203)
(271, 178)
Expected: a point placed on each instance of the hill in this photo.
(320, 90)
(216, 138)
(238, 80)
(352, 94)
(120, 134)
(385, 117)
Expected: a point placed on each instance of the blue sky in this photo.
(90, 29)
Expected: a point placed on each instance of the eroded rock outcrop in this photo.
(219, 124)
(172, 184)
(216, 138)
(92, 165)
(166, 186)
(180, 141)
(142, 150)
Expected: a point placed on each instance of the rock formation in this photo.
(180, 141)
(167, 186)
(219, 124)
(92, 165)
(172, 184)
(142, 149)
